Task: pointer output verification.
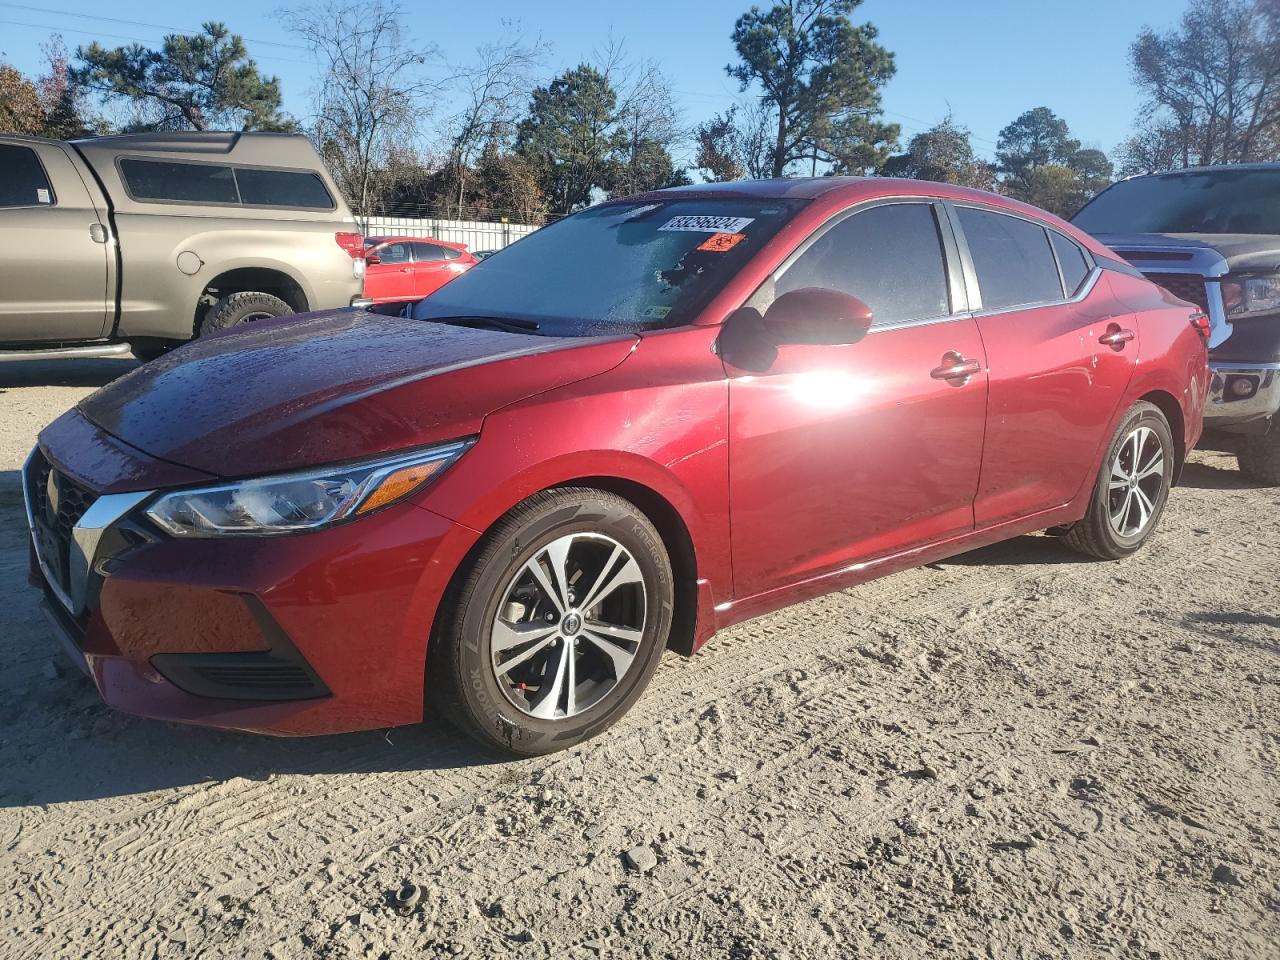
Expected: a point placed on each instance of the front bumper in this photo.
(1261, 400)
(321, 632)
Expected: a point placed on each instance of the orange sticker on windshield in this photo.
(721, 242)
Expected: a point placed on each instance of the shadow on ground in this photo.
(64, 744)
(62, 373)
(1034, 548)
(1202, 476)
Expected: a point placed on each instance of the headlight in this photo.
(291, 502)
(1251, 295)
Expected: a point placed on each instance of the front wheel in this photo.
(557, 624)
(1132, 487)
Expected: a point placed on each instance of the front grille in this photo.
(1184, 286)
(57, 504)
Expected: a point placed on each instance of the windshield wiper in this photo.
(506, 324)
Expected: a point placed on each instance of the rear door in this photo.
(1041, 306)
(434, 266)
(842, 454)
(54, 249)
(391, 279)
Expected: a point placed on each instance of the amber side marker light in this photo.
(401, 483)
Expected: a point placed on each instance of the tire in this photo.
(515, 695)
(1098, 534)
(1259, 457)
(148, 350)
(238, 308)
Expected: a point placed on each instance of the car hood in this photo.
(1242, 251)
(327, 387)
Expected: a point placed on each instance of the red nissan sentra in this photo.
(650, 420)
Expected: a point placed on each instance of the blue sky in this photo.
(984, 60)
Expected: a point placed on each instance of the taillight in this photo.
(353, 243)
(1201, 322)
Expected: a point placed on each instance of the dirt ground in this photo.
(1015, 753)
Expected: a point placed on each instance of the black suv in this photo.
(1211, 236)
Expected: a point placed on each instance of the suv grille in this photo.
(57, 505)
(1184, 286)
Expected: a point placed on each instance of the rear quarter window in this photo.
(22, 179)
(1071, 261)
(1012, 258)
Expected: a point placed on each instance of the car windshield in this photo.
(618, 267)
(1208, 201)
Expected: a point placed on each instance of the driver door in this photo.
(843, 454)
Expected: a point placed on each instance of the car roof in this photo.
(835, 190)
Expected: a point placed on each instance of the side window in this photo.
(22, 179)
(393, 253)
(890, 257)
(1071, 260)
(282, 188)
(428, 252)
(1012, 258)
(184, 182)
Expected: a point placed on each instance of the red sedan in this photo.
(404, 269)
(650, 420)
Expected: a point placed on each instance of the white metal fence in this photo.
(476, 234)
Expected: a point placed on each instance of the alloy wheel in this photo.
(569, 626)
(1137, 475)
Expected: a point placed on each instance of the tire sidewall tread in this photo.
(230, 310)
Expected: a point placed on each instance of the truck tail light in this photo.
(353, 243)
(1201, 322)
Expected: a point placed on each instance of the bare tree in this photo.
(1213, 85)
(494, 91)
(736, 144)
(646, 117)
(372, 91)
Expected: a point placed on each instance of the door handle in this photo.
(956, 367)
(97, 233)
(406, 269)
(1116, 336)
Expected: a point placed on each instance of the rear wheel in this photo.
(238, 308)
(1132, 487)
(1259, 457)
(556, 626)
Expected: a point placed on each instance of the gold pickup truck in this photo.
(136, 243)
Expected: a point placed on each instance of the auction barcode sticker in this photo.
(707, 224)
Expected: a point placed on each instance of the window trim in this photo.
(218, 204)
(1089, 264)
(47, 180)
(971, 273)
(763, 295)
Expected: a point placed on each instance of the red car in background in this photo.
(643, 423)
(405, 269)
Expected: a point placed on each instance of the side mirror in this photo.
(817, 315)
(373, 259)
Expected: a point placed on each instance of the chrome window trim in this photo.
(1086, 288)
(971, 273)
(105, 511)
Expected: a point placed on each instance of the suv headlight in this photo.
(1247, 296)
(291, 502)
